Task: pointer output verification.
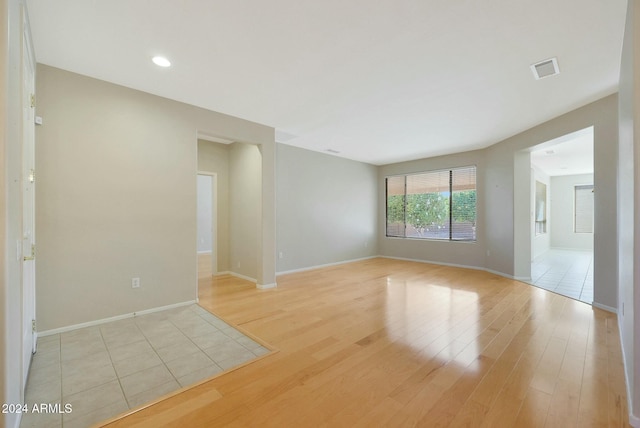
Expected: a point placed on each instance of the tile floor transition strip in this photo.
(108, 369)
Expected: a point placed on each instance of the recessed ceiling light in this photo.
(161, 61)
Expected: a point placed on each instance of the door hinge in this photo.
(33, 326)
(32, 176)
(33, 100)
(33, 253)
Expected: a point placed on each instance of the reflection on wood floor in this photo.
(394, 343)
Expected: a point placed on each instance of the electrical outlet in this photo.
(135, 282)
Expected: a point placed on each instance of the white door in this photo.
(28, 201)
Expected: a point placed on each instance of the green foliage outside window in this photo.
(436, 214)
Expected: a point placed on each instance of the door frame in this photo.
(28, 286)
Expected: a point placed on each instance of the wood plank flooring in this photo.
(384, 342)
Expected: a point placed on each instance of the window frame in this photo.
(450, 204)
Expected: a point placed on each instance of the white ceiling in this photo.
(380, 81)
(567, 155)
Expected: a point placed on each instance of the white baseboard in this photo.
(203, 252)
(266, 286)
(238, 275)
(572, 249)
(495, 272)
(324, 265)
(111, 319)
(248, 278)
(604, 307)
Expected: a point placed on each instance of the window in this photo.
(583, 221)
(433, 205)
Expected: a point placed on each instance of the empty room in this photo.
(319, 214)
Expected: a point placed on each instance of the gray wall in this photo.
(117, 197)
(326, 209)
(562, 213)
(629, 204)
(214, 158)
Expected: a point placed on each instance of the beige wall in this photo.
(629, 205)
(327, 209)
(245, 171)
(117, 197)
(214, 158)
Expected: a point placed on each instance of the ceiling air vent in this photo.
(546, 68)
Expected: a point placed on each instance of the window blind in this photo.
(395, 206)
(463, 204)
(433, 205)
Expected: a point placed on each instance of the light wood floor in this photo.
(393, 343)
(205, 268)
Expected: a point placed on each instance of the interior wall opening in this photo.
(562, 215)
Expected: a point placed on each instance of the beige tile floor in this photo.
(108, 369)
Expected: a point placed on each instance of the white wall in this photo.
(628, 200)
(117, 197)
(562, 213)
(11, 30)
(542, 242)
(326, 209)
(205, 213)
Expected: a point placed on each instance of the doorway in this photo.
(206, 225)
(562, 215)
